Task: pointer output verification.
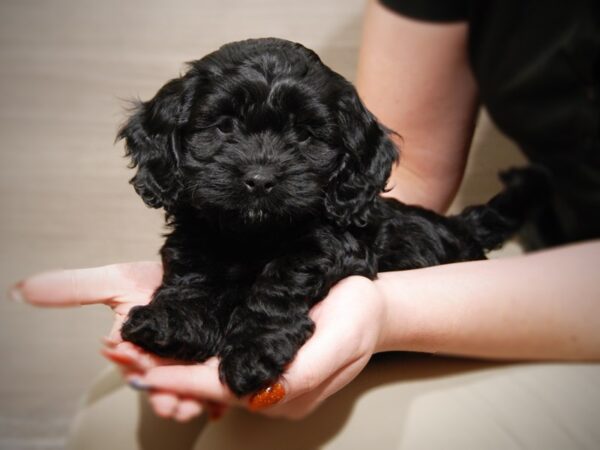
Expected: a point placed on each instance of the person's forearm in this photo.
(416, 78)
(544, 305)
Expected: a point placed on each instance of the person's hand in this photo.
(121, 287)
(348, 326)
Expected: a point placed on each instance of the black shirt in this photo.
(537, 64)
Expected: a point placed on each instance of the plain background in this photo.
(66, 69)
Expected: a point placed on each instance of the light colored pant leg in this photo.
(400, 401)
(115, 417)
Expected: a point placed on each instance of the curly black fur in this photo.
(269, 168)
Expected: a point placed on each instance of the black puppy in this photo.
(269, 169)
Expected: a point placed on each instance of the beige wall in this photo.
(65, 68)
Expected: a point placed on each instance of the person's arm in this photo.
(415, 77)
(540, 306)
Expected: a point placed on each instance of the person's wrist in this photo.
(385, 335)
(395, 330)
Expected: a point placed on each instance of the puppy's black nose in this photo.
(260, 180)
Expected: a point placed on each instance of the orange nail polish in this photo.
(266, 397)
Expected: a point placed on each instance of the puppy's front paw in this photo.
(255, 357)
(246, 370)
(171, 333)
(142, 327)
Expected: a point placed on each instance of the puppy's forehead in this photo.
(268, 56)
(282, 80)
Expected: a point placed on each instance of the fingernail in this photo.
(118, 358)
(15, 294)
(267, 397)
(138, 385)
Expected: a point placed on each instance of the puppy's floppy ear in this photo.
(366, 162)
(151, 141)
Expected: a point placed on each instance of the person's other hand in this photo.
(121, 287)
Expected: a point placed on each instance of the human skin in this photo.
(415, 77)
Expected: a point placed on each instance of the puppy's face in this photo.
(260, 132)
(260, 142)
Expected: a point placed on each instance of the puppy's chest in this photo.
(241, 261)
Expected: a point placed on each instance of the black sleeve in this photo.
(430, 10)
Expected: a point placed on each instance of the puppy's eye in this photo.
(303, 135)
(225, 125)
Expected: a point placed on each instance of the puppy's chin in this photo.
(257, 219)
(256, 216)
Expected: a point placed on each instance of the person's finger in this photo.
(133, 358)
(198, 381)
(116, 283)
(302, 405)
(187, 409)
(164, 404)
(315, 362)
(124, 360)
